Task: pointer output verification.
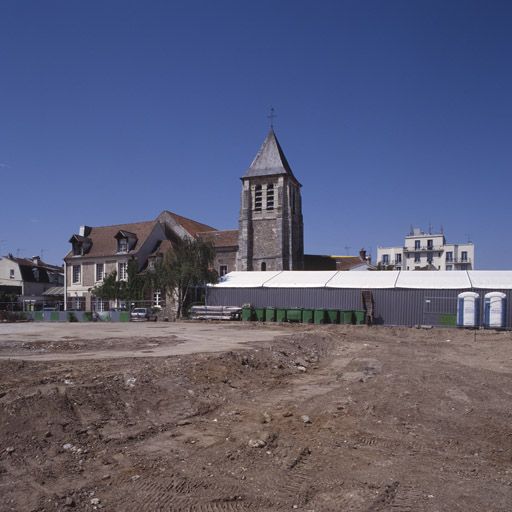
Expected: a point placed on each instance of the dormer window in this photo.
(126, 241)
(122, 245)
(80, 245)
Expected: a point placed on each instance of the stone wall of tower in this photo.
(270, 237)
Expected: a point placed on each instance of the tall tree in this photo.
(186, 266)
(110, 288)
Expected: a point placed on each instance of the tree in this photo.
(135, 286)
(131, 289)
(187, 266)
(109, 289)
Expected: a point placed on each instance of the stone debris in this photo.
(257, 443)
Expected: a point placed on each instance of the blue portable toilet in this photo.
(495, 307)
(468, 309)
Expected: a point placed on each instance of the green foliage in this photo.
(131, 289)
(134, 287)
(187, 266)
(72, 317)
(110, 289)
(12, 316)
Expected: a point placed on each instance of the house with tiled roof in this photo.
(98, 251)
(30, 280)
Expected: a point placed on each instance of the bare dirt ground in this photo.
(313, 418)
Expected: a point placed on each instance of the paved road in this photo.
(47, 341)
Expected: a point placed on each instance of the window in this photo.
(398, 268)
(263, 267)
(449, 267)
(398, 258)
(270, 197)
(417, 257)
(122, 245)
(11, 273)
(449, 256)
(157, 298)
(100, 271)
(430, 244)
(123, 271)
(223, 270)
(464, 256)
(385, 259)
(417, 244)
(77, 274)
(79, 303)
(257, 198)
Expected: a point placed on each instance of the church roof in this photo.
(226, 238)
(270, 160)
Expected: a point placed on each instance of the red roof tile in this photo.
(227, 238)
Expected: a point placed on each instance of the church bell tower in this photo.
(271, 230)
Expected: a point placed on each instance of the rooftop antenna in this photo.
(272, 116)
(442, 229)
(411, 230)
(468, 236)
(347, 249)
(429, 227)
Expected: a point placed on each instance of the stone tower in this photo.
(271, 234)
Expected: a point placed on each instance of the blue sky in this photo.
(391, 114)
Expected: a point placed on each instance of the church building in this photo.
(271, 230)
(270, 234)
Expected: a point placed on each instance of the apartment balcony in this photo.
(432, 248)
(459, 261)
(390, 262)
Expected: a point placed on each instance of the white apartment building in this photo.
(427, 251)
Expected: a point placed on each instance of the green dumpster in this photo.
(346, 317)
(294, 315)
(38, 315)
(54, 316)
(247, 314)
(359, 317)
(281, 315)
(333, 316)
(307, 316)
(260, 314)
(319, 316)
(270, 315)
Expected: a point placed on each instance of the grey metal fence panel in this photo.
(394, 306)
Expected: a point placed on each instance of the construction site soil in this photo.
(313, 418)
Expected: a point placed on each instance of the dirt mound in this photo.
(328, 420)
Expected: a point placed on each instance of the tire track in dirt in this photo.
(179, 493)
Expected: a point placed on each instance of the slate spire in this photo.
(270, 160)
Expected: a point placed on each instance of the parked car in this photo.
(143, 314)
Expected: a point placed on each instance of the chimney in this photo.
(362, 254)
(84, 230)
(36, 260)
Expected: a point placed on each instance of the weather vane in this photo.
(272, 116)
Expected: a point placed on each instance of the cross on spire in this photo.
(272, 116)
